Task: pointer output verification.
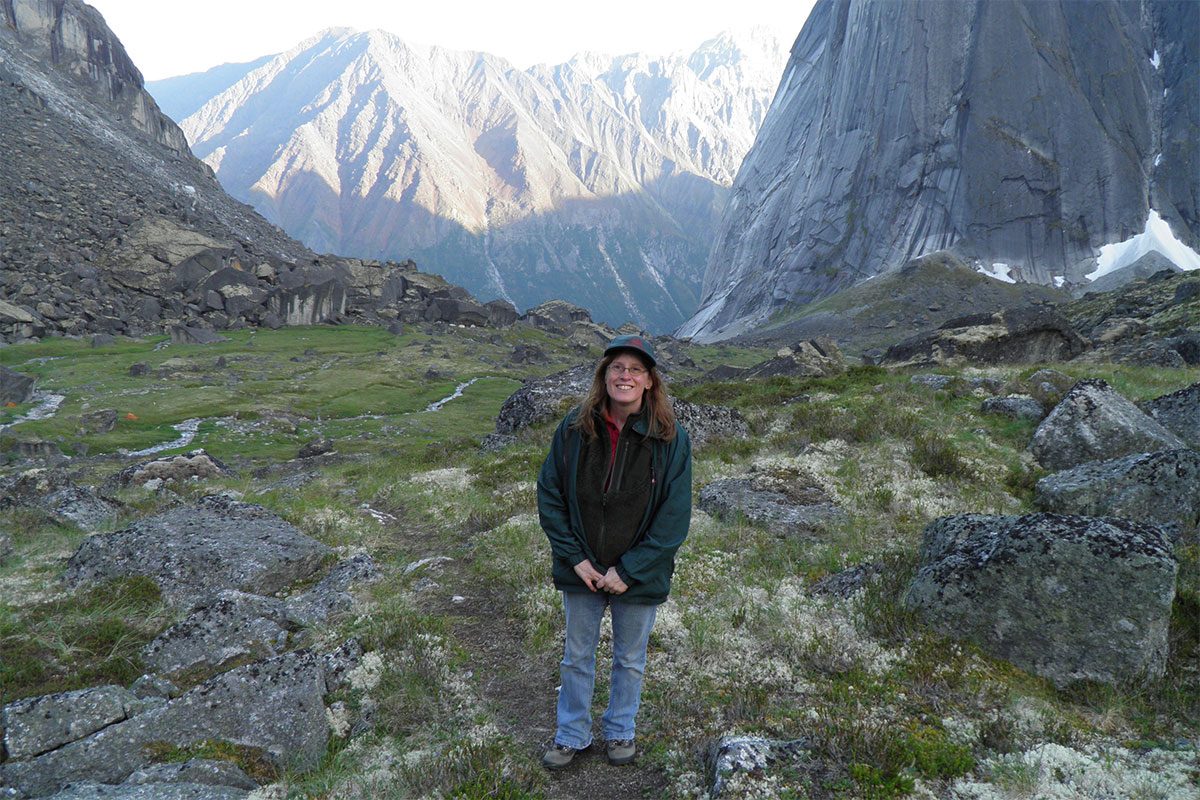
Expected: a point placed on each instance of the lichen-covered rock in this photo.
(274, 706)
(6, 545)
(706, 423)
(177, 469)
(769, 506)
(543, 398)
(195, 551)
(1161, 488)
(53, 491)
(184, 334)
(199, 771)
(1068, 598)
(1179, 412)
(151, 791)
(37, 725)
(748, 754)
(1014, 406)
(818, 357)
(233, 625)
(1094, 423)
(332, 594)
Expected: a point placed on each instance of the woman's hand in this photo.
(612, 583)
(588, 574)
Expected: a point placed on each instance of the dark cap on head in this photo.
(632, 342)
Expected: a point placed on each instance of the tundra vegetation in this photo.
(455, 695)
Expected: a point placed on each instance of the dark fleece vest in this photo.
(611, 518)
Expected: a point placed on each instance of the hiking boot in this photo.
(558, 756)
(620, 751)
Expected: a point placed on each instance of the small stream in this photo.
(187, 432)
(458, 390)
(45, 409)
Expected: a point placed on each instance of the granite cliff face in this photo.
(1021, 136)
(598, 181)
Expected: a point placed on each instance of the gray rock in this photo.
(1068, 598)
(15, 387)
(331, 595)
(1049, 387)
(1014, 406)
(317, 447)
(707, 423)
(195, 551)
(495, 442)
(846, 583)
(274, 706)
(149, 687)
(177, 469)
(1179, 412)
(6, 545)
(37, 725)
(769, 506)
(40, 450)
(1161, 488)
(1186, 344)
(183, 334)
(101, 421)
(153, 791)
(139, 369)
(53, 491)
(556, 316)
(544, 398)
(949, 382)
(341, 662)
(198, 771)
(730, 755)
(103, 339)
(1094, 423)
(229, 627)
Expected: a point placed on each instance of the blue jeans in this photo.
(631, 624)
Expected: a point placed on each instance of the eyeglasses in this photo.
(621, 369)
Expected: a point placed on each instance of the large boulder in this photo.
(1179, 412)
(544, 398)
(785, 508)
(1161, 487)
(195, 551)
(1068, 598)
(184, 334)
(556, 316)
(274, 706)
(1049, 387)
(15, 387)
(174, 469)
(1094, 423)
(1014, 406)
(1015, 336)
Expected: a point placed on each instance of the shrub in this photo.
(938, 457)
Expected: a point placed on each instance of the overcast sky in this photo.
(167, 38)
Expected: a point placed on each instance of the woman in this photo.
(615, 500)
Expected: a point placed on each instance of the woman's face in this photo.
(626, 380)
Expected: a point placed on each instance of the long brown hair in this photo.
(655, 402)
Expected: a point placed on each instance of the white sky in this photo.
(167, 38)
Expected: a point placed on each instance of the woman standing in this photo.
(615, 500)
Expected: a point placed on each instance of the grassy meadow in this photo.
(463, 632)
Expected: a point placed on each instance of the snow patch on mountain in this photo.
(1156, 237)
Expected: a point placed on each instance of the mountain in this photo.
(109, 224)
(1021, 136)
(598, 181)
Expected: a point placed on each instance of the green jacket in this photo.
(647, 567)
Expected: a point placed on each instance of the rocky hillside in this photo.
(597, 181)
(1021, 136)
(108, 224)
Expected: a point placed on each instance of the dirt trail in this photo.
(521, 686)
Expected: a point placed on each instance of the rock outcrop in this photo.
(817, 358)
(1094, 423)
(1068, 598)
(193, 552)
(15, 387)
(1016, 336)
(1161, 488)
(903, 128)
(53, 491)
(174, 469)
